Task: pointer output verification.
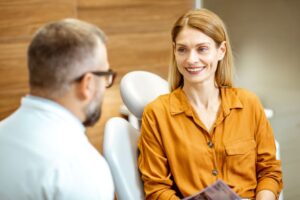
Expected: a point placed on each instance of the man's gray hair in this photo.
(60, 52)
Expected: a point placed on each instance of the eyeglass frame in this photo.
(109, 72)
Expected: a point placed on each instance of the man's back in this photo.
(45, 154)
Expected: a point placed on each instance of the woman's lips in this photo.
(195, 70)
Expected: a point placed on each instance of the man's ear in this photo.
(86, 87)
(222, 50)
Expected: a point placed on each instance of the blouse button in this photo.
(214, 172)
(210, 144)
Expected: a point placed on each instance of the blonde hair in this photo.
(211, 25)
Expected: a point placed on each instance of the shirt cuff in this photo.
(169, 195)
(269, 184)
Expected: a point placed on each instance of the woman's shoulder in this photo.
(242, 93)
(158, 104)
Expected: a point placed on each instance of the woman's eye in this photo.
(202, 49)
(181, 50)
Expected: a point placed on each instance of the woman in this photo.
(205, 129)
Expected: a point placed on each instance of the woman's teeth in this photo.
(195, 69)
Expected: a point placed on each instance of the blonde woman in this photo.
(206, 129)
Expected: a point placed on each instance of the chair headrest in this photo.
(138, 88)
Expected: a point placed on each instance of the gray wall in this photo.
(265, 36)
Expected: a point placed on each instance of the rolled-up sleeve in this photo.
(153, 163)
(269, 173)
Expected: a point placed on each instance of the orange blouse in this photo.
(179, 157)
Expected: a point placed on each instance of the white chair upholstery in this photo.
(278, 158)
(269, 113)
(138, 88)
(120, 151)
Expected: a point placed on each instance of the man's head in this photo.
(63, 59)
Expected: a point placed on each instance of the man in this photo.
(44, 152)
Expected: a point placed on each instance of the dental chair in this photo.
(137, 89)
(120, 151)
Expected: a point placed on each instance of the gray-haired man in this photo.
(44, 152)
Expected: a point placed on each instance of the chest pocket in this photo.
(240, 147)
(240, 165)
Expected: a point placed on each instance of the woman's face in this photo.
(197, 56)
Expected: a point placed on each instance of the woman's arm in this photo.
(153, 164)
(265, 195)
(268, 168)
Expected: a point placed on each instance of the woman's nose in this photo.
(192, 57)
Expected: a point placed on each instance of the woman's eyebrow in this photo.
(198, 44)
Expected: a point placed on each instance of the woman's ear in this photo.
(86, 87)
(222, 50)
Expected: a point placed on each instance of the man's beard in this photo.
(92, 118)
(93, 114)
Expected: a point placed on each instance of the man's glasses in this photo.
(109, 75)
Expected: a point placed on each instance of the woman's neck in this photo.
(204, 95)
